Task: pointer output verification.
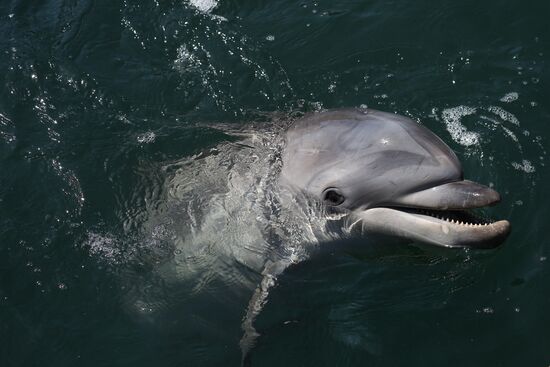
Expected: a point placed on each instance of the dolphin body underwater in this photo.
(331, 175)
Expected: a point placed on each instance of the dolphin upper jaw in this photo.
(439, 216)
(458, 195)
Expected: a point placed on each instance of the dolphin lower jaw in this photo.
(425, 228)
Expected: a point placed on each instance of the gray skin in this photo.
(397, 177)
(388, 174)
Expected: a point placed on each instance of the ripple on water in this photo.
(104, 246)
(7, 129)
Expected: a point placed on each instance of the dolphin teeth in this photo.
(470, 220)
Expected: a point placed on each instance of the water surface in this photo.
(104, 103)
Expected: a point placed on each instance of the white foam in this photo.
(525, 166)
(146, 138)
(204, 6)
(511, 134)
(452, 118)
(503, 114)
(510, 97)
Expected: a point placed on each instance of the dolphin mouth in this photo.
(442, 215)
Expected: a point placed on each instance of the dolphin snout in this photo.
(454, 195)
(440, 215)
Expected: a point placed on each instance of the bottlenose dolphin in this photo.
(239, 214)
(387, 175)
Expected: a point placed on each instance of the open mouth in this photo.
(443, 215)
(456, 217)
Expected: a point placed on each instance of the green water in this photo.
(97, 98)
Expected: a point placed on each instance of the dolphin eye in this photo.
(333, 197)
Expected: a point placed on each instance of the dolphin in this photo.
(387, 175)
(239, 214)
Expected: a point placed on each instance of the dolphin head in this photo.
(397, 177)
